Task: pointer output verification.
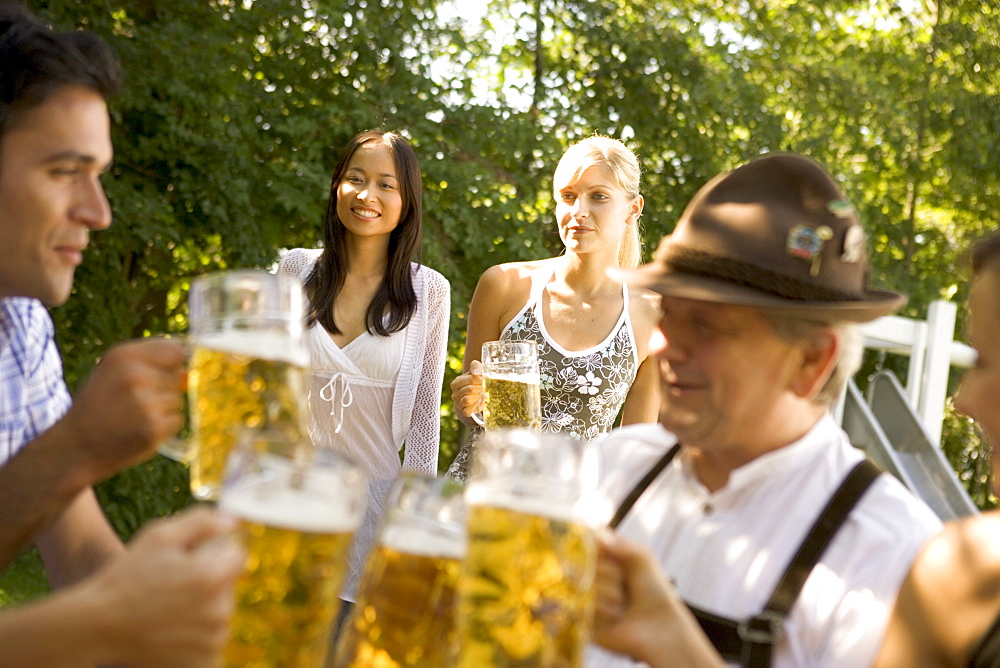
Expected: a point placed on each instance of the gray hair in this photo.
(850, 348)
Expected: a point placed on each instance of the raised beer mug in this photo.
(511, 385)
(405, 609)
(298, 510)
(526, 591)
(247, 368)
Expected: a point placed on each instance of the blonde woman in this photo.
(593, 336)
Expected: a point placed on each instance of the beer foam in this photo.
(526, 378)
(287, 509)
(423, 541)
(274, 346)
(551, 506)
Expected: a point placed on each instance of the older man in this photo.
(786, 546)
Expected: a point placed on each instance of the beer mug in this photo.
(526, 590)
(511, 385)
(298, 509)
(405, 609)
(247, 368)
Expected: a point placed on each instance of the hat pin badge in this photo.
(854, 244)
(806, 242)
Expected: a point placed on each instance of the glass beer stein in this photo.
(247, 366)
(405, 609)
(511, 385)
(297, 516)
(526, 591)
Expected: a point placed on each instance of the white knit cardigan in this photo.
(416, 409)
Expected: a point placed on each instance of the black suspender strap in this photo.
(723, 632)
(836, 511)
(751, 641)
(641, 486)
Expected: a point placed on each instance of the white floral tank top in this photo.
(582, 392)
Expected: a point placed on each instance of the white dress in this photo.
(378, 393)
(352, 388)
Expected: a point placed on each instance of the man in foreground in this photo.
(55, 144)
(173, 586)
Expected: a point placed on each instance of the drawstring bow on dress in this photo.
(338, 392)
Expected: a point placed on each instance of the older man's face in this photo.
(723, 370)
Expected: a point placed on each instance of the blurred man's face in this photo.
(980, 389)
(51, 195)
(723, 370)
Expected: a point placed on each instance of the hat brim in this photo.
(877, 303)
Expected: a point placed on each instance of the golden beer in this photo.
(287, 596)
(526, 591)
(240, 380)
(405, 610)
(511, 400)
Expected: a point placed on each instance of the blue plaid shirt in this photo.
(33, 394)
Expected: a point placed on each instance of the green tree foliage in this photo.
(896, 98)
(234, 110)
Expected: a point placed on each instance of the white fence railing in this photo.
(932, 350)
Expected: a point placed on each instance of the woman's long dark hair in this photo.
(395, 297)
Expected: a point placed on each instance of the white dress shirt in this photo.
(726, 550)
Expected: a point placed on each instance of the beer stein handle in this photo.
(477, 370)
(180, 448)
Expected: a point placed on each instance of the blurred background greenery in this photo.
(234, 111)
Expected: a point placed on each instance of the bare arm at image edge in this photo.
(167, 601)
(130, 403)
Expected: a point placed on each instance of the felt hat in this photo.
(776, 233)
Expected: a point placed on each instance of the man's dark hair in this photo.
(35, 61)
